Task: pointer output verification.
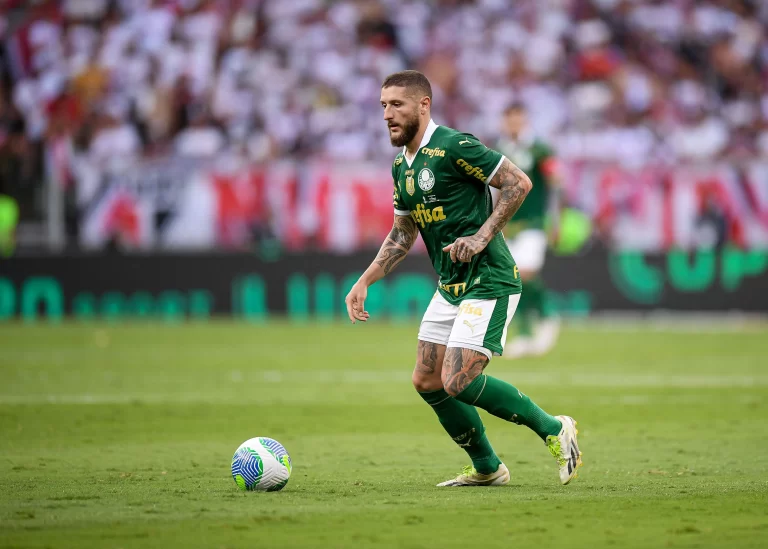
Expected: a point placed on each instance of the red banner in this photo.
(172, 204)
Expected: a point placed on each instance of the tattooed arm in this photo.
(393, 251)
(513, 185)
(395, 247)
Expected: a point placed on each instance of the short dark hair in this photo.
(412, 81)
(515, 106)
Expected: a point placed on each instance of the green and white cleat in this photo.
(565, 449)
(470, 477)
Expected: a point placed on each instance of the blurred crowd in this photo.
(630, 81)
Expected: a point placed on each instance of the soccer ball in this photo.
(261, 464)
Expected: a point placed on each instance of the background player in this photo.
(441, 181)
(538, 326)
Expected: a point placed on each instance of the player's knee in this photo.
(450, 388)
(426, 382)
(460, 368)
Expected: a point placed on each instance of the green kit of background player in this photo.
(538, 326)
(441, 190)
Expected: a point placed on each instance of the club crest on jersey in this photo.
(410, 186)
(426, 180)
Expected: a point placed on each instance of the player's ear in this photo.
(425, 104)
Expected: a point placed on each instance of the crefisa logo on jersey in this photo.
(471, 170)
(426, 180)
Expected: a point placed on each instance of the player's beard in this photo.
(408, 131)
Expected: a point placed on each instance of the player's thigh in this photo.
(529, 250)
(435, 329)
(478, 334)
(437, 322)
(429, 365)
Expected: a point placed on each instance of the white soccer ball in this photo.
(261, 464)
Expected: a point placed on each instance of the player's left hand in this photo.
(355, 302)
(465, 248)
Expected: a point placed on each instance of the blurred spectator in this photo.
(711, 229)
(200, 139)
(610, 80)
(19, 158)
(114, 137)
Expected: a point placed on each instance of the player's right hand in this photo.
(356, 302)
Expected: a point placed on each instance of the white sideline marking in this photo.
(304, 380)
(528, 378)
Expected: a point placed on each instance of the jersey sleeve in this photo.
(397, 201)
(473, 159)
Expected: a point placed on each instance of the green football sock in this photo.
(463, 424)
(524, 315)
(505, 401)
(540, 300)
(548, 304)
(534, 290)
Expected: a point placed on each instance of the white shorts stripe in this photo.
(472, 346)
(511, 308)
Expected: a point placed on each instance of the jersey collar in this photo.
(431, 127)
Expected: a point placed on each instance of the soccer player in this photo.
(441, 189)
(527, 239)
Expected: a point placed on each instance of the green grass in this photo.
(122, 435)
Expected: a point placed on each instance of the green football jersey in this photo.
(445, 190)
(536, 159)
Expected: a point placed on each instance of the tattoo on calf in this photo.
(461, 367)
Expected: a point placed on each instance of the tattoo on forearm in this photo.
(461, 367)
(427, 362)
(513, 185)
(389, 257)
(398, 242)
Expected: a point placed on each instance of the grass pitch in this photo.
(122, 435)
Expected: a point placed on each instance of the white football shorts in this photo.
(478, 324)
